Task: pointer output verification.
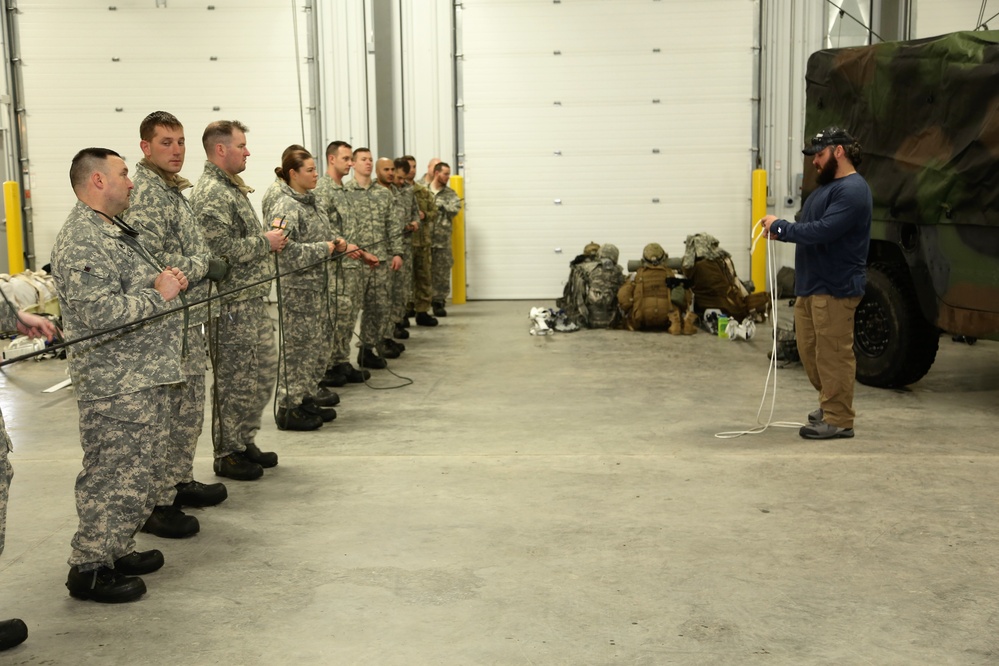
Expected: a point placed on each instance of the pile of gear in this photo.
(659, 295)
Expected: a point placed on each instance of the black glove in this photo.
(217, 270)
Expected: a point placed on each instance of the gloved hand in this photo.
(217, 270)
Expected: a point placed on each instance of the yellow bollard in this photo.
(758, 261)
(457, 183)
(15, 238)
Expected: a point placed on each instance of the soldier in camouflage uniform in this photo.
(655, 298)
(241, 335)
(428, 178)
(448, 206)
(124, 379)
(373, 205)
(409, 209)
(161, 214)
(14, 632)
(306, 321)
(407, 218)
(422, 277)
(347, 290)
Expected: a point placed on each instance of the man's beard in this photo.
(827, 173)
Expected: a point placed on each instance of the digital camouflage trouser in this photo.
(187, 418)
(348, 299)
(376, 306)
(122, 438)
(422, 278)
(402, 288)
(6, 474)
(307, 339)
(245, 362)
(441, 262)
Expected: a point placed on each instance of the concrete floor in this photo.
(555, 500)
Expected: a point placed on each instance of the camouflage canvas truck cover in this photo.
(926, 113)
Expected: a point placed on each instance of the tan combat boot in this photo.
(690, 323)
(674, 323)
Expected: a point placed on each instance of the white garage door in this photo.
(588, 120)
(93, 70)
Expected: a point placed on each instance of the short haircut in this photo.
(440, 166)
(221, 131)
(147, 128)
(86, 162)
(335, 146)
(293, 158)
(402, 164)
(361, 150)
(408, 158)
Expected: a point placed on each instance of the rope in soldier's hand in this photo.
(336, 256)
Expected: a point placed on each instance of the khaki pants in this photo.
(824, 329)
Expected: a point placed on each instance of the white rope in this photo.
(772, 369)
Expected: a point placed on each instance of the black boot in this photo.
(388, 352)
(326, 398)
(239, 467)
(262, 458)
(411, 312)
(296, 419)
(309, 406)
(439, 310)
(104, 585)
(169, 522)
(12, 633)
(400, 333)
(195, 493)
(138, 563)
(333, 377)
(353, 375)
(405, 320)
(424, 319)
(366, 358)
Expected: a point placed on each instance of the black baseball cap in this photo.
(830, 136)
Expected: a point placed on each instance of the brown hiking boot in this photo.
(690, 323)
(674, 323)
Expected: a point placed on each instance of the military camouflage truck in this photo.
(926, 113)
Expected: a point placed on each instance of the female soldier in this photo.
(305, 327)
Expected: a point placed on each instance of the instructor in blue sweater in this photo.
(832, 237)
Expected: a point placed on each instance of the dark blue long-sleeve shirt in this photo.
(832, 237)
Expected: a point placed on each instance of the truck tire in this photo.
(894, 345)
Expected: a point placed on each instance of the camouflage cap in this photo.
(830, 136)
(653, 253)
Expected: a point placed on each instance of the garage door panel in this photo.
(76, 96)
(541, 27)
(627, 76)
(636, 144)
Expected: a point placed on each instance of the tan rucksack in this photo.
(645, 298)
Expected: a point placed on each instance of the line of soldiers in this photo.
(148, 279)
